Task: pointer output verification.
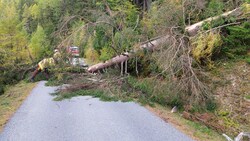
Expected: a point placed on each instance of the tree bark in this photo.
(192, 30)
(149, 45)
(143, 4)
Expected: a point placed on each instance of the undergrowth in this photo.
(204, 46)
(62, 75)
(155, 91)
(58, 79)
(247, 97)
(146, 91)
(236, 42)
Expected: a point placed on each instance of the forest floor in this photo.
(11, 100)
(196, 130)
(231, 84)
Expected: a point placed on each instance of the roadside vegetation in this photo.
(12, 99)
(203, 71)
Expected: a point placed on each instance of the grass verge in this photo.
(195, 130)
(11, 100)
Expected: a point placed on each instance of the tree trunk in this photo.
(143, 4)
(192, 30)
(149, 45)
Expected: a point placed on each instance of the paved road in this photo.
(85, 119)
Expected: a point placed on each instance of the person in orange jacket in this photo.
(45, 64)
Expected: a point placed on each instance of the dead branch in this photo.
(67, 41)
(137, 22)
(26, 71)
(219, 27)
(176, 62)
(239, 137)
(108, 9)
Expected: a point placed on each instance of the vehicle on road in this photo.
(74, 57)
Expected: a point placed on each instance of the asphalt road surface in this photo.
(85, 119)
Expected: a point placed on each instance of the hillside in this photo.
(192, 54)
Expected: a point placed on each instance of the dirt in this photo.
(231, 82)
(231, 85)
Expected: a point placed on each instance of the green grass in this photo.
(203, 132)
(58, 79)
(247, 97)
(155, 91)
(202, 128)
(143, 86)
(12, 99)
(53, 82)
(248, 59)
(195, 130)
(60, 76)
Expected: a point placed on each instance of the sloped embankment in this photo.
(231, 83)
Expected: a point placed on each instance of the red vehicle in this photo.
(73, 51)
(74, 57)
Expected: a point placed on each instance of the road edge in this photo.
(12, 99)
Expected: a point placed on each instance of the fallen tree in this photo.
(149, 45)
(154, 43)
(192, 30)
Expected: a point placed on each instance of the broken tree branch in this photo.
(236, 23)
(239, 137)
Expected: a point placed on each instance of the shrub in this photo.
(157, 91)
(106, 53)
(237, 41)
(215, 7)
(204, 46)
(90, 53)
